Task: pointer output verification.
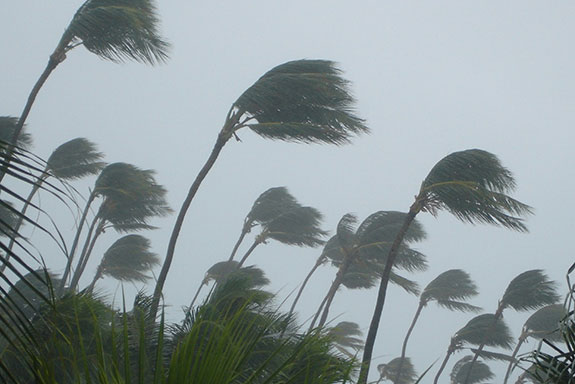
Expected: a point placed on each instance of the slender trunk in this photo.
(237, 245)
(319, 262)
(316, 316)
(87, 251)
(333, 289)
(498, 315)
(97, 276)
(55, 59)
(68, 268)
(35, 189)
(372, 333)
(223, 137)
(444, 363)
(520, 341)
(197, 293)
(404, 347)
(249, 252)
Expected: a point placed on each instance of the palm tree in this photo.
(346, 335)
(128, 259)
(544, 323)
(477, 373)
(362, 252)
(296, 226)
(485, 328)
(268, 206)
(529, 290)
(115, 30)
(72, 160)
(449, 290)
(472, 185)
(131, 197)
(392, 372)
(303, 101)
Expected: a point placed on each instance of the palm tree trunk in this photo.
(333, 289)
(87, 250)
(319, 262)
(97, 276)
(319, 310)
(404, 347)
(197, 293)
(520, 341)
(223, 137)
(55, 59)
(249, 252)
(237, 245)
(443, 364)
(372, 333)
(75, 243)
(35, 189)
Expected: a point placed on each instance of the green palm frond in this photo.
(383, 226)
(545, 322)
(480, 372)
(488, 355)
(129, 259)
(220, 270)
(9, 125)
(389, 371)
(9, 219)
(449, 289)
(301, 101)
(408, 286)
(472, 185)
(297, 226)
(530, 290)
(270, 205)
(346, 335)
(118, 30)
(485, 329)
(75, 159)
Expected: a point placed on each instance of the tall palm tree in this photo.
(72, 160)
(303, 101)
(478, 373)
(527, 291)
(544, 323)
(363, 252)
(483, 328)
(128, 259)
(268, 206)
(449, 290)
(296, 226)
(131, 197)
(115, 30)
(392, 372)
(472, 185)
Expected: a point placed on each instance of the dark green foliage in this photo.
(449, 289)
(117, 30)
(129, 259)
(480, 372)
(529, 290)
(8, 125)
(270, 205)
(545, 322)
(485, 329)
(9, 219)
(346, 336)
(75, 159)
(389, 371)
(297, 226)
(472, 185)
(302, 101)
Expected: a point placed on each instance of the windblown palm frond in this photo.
(390, 371)
(75, 159)
(545, 322)
(303, 101)
(480, 372)
(117, 30)
(473, 186)
(529, 290)
(346, 335)
(8, 126)
(449, 289)
(297, 226)
(485, 329)
(270, 205)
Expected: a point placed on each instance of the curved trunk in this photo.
(443, 364)
(97, 276)
(404, 346)
(223, 137)
(333, 289)
(237, 245)
(35, 189)
(520, 341)
(372, 333)
(197, 294)
(68, 268)
(249, 252)
(305, 281)
(87, 251)
(316, 316)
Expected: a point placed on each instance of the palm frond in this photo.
(302, 101)
(271, 204)
(129, 259)
(487, 329)
(472, 185)
(346, 335)
(119, 30)
(389, 371)
(9, 125)
(408, 286)
(75, 159)
(297, 226)
(458, 306)
(530, 290)
(345, 231)
(545, 322)
(480, 372)
(449, 288)
(383, 226)
(488, 355)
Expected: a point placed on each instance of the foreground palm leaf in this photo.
(473, 186)
(301, 101)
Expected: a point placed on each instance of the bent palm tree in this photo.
(267, 207)
(392, 372)
(472, 185)
(527, 291)
(478, 373)
(72, 160)
(483, 328)
(300, 101)
(128, 259)
(449, 290)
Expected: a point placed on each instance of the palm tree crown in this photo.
(529, 290)
(75, 159)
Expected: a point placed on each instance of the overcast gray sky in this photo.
(430, 78)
